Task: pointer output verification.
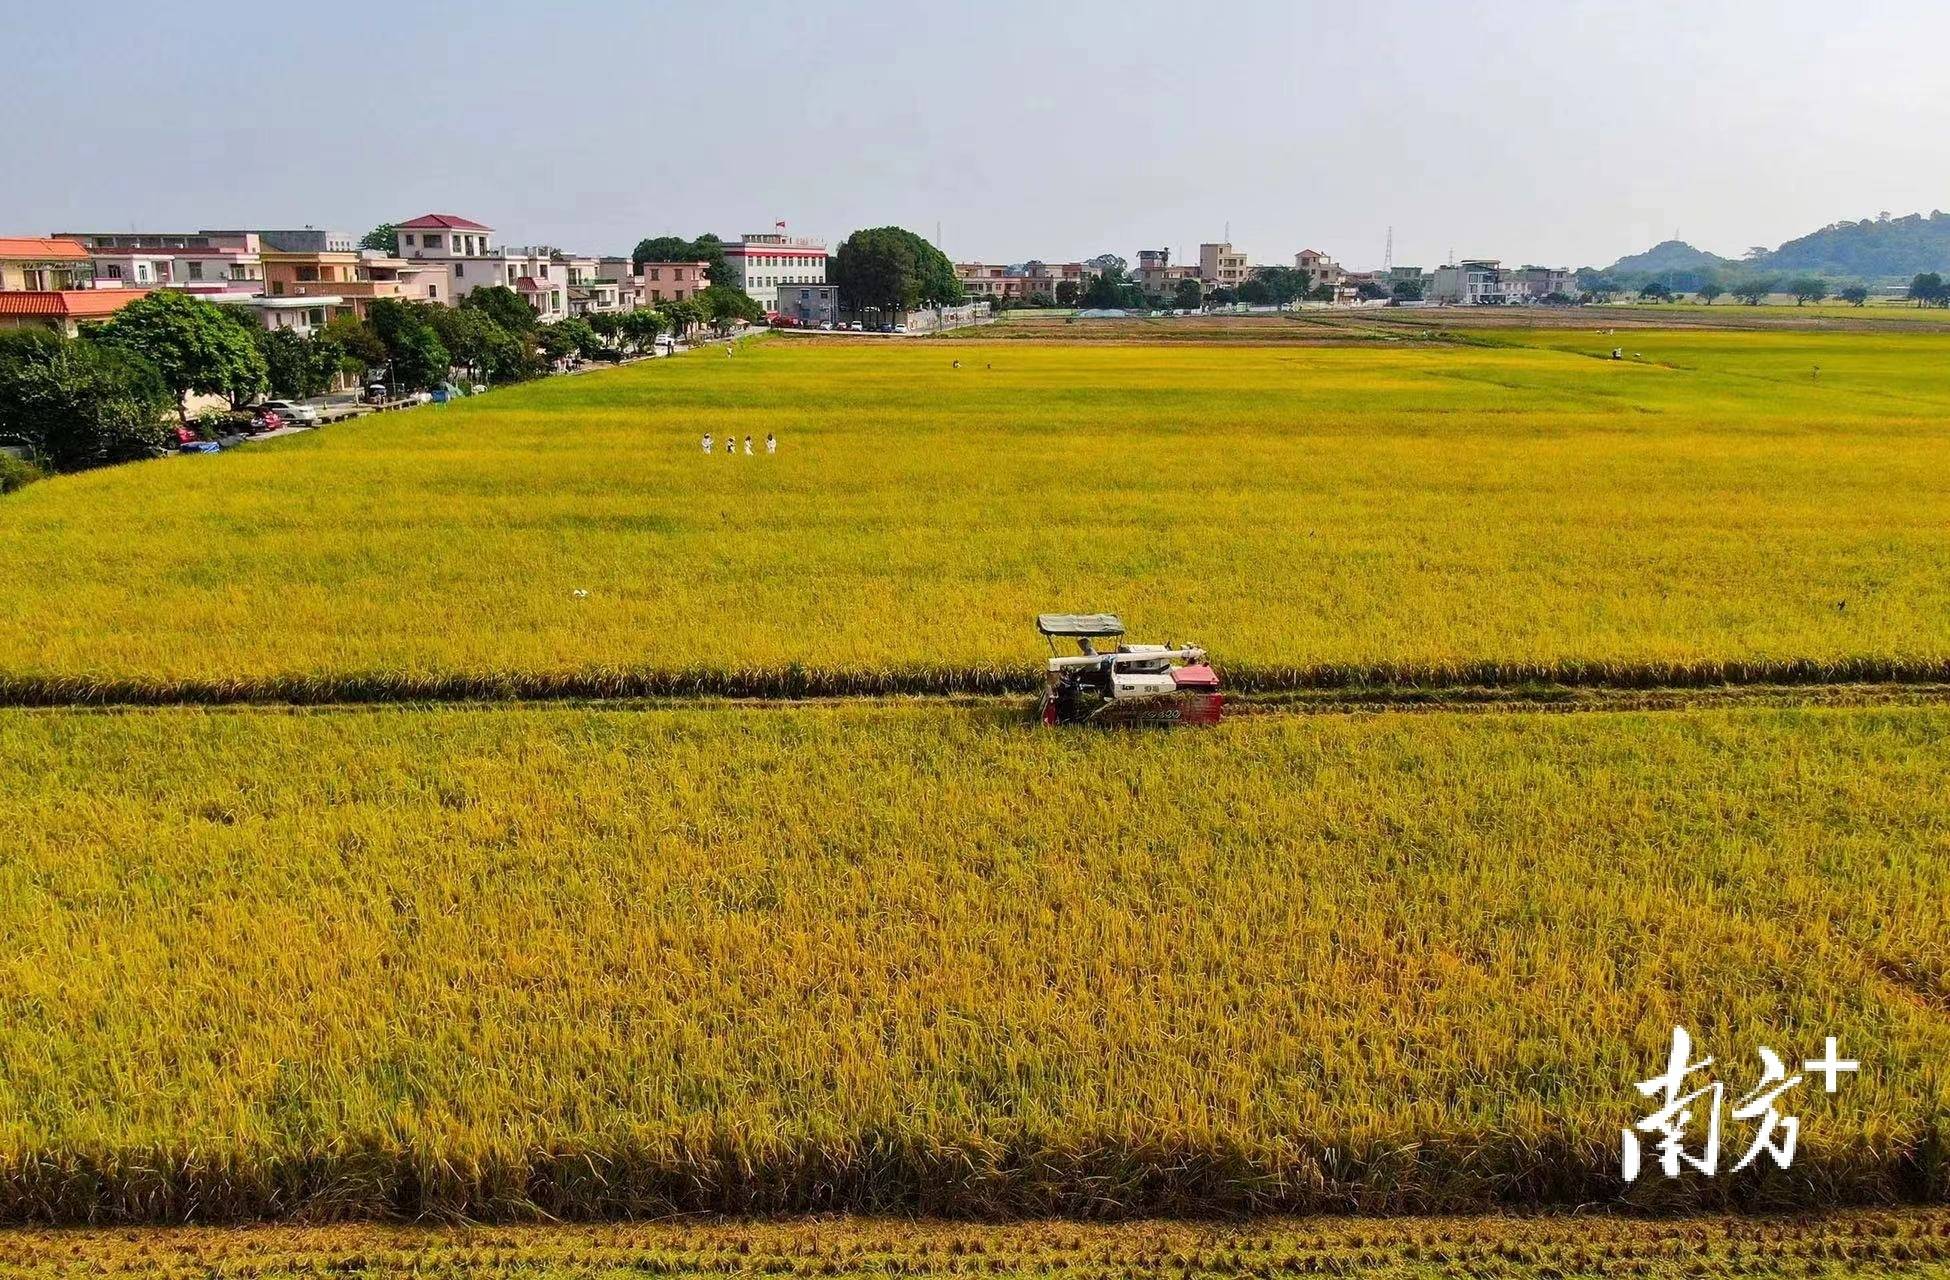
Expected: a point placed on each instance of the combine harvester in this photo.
(1126, 684)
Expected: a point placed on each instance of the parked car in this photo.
(303, 415)
(376, 393)
(900, 328)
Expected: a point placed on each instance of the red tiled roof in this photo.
(40, 248)
(445, 220)
(76, 304)
(529, 284)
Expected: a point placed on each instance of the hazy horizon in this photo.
(1567, 133)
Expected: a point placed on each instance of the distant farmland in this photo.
(1394, 511)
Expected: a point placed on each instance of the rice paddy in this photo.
(604, 961)
(584, 964)
(1386, 512)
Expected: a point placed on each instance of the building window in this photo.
(407, 239)
(433, 242)
(114, 271)
(460, 269)
(433, 291)
(196, 271)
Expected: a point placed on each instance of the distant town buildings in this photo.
(305, 277)
(1484, 282)
(1157, 275)
(1020, 282)
(44, 282)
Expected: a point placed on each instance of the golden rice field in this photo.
(1493, 511)
(513, 962)
(1913, 1243)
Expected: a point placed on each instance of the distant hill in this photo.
(1872, 249)
(1897, 248)
(1669, 255)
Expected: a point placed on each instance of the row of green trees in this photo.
(106, 396)
(1752, 290)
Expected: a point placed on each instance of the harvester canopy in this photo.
(1079, 625)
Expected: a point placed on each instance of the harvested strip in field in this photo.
(590, 964)
(1906, 1243)
(1310, 515)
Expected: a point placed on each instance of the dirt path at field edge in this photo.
(1872, 1242)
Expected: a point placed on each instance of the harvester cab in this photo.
(1110, 682)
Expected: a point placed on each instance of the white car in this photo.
(303, 415)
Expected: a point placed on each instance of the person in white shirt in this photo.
(771, 443)
(707, 442)
(748, 446)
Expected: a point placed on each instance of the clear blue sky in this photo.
(1565, 131)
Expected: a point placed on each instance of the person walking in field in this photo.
(771, 443)
(730, 445)
(707, 442)
(748, 446)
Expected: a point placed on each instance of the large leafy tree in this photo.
(895, 270)
(79, 403)
(1284, 285)
(1108, 290)
(195, 345)
(1754, 291)
(680, 316)
(300, 365)
(722, 306)
(663, 249)
(1928, 290)
(639, 328)
(1807, 289)
(503, 306)
(414, 352)
(384, 238)
(358, 341)
(1188, 295)
(476, 343)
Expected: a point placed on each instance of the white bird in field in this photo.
(580, 594)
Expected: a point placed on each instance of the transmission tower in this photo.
(1388, 254)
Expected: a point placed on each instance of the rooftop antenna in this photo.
(1388, 253)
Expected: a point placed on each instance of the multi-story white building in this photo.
(622, 273)
(759, 263)
(456, 255)
(540, 275)
(1473, 282)
(194, 261)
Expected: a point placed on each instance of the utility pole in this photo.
(1388, 254)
